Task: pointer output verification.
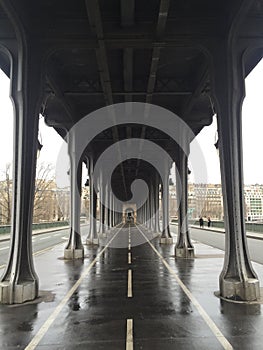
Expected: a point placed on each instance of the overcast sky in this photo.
(252, 134)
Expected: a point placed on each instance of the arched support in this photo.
(184, 247)
(92, 238)
(74, 248)
(19, 282)
(238, 280)
(166, 237)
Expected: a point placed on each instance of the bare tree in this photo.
(45, 201)
(44, 192)
(6, 196)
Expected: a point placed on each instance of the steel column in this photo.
(19, 282)
(238, 281)
(166, 237)
(74, 248)
(184, 247)
(92, 237)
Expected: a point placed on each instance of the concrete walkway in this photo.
(131, 294)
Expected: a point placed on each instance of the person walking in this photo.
(208, 222)
(201, 222)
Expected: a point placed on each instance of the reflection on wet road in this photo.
(131, 293)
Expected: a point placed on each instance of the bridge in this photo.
(129, 84)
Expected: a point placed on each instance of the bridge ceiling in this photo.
(103, 52)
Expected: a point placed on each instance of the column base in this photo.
(19, 293)
(235, 290)
(186, 253)
(155, 234)
(71, 254)
(92, 241)
(166, 240)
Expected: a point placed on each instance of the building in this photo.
(253, 202)
(206, 200)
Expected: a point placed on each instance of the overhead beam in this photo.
(94, 15)
(128, 93)
(127, 13)
(159, 33)
(160, 30)
(190, 101)
(128, 73)
(95, 21)
(127, 20)
(52, 81)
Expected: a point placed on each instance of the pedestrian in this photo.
(208, 222)
(201, 222)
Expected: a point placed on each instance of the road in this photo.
(217, 240)
(130, 293)
(41, 242)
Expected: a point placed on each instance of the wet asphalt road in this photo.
(162, 303)
(41, 242)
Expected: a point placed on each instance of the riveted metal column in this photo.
(148, 212)
(166, 237)
(153, 211)
(74, 248)
(102, 213)
(238, 280)
(100, 230)
(145, 213)
(99, 206)
(157, 204)
(111, 210)
(19, 282)
(184, 247)
(153, 206)
(106, 207)
(93, 236)
(156, 227)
